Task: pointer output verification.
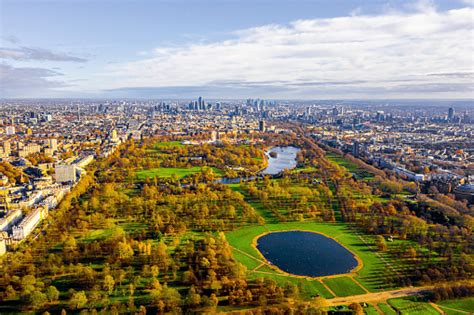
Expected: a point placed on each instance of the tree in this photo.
(357, 309)
(154, 270)
(141, 310)
(193, 299)
(411, 253)
(109, 284)
(37, 299)
(381, 243)
(123, 250)
(319, 302)
(10, 293)
(28, 283)
(52, 294)
(78, 300)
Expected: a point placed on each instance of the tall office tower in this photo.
(450, 114)
(101, 108)
(356, 148)
(200, 102)
(335, 112)
(218, 106)
(261, 126)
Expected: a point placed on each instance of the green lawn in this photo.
(167, 144)
(409, 306)
(387, 309)
(166, 172)
(343, 286)
(350, 166)
(98, 234)
(464, 305)
(370, 310)
(370, 276)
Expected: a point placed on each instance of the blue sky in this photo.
(237, 49)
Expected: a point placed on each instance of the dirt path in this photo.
(359, 284)
(377, 297)
(328, 288)
(436, 307)
(248, 255)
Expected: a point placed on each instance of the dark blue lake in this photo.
(306, 254)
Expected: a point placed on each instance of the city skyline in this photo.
(346, 50)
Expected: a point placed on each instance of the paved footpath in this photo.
(377, 296)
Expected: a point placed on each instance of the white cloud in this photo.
(385, 53)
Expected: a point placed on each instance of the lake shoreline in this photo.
(352, 272)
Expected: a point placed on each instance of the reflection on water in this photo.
(306, 253)
(285, 159)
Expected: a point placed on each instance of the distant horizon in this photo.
(426, 101)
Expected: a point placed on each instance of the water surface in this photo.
(306, 253)
(285, 159)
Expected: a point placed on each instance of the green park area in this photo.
(158, 146)
(458, 306)
(386, 309)
(369, 277)
(190, 245)
(412, 306)
(358, 172)
(167, 172)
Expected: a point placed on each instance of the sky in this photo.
(294, 49)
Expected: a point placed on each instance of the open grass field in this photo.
(343, 286)
(370, 275)
(165, 172)
(458, 306)
(409, 306)
(358, 172)
(167, 144)
(386, 309)
(370, 310)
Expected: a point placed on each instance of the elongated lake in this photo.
(306, 253)
(285, 159)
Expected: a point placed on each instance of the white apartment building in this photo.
(65, 173)
(28, 224)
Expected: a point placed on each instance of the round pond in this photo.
(306, 253)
